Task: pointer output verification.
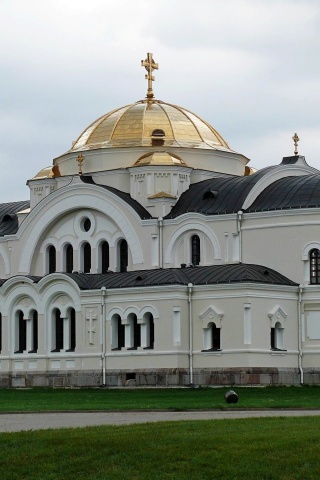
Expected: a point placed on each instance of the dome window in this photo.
(157, 137)
(158, 133)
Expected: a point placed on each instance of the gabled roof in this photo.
(136, 206)
(8, 216)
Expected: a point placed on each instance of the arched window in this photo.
(132, 332)
(195, 250)
(147, 332)
(314, 266)
(34, 332)
(117, 333)
(51, 259)
(123, 250)
(276, 337)
(136, 333)
(57, 340)
(69, 258)
(86, 251)
(212, 340)
(21, 333)
(104, 256)
(72, 325)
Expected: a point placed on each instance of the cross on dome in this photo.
(149, 65)
(295, 139)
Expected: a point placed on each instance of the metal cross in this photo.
(91, 329)
(296, 139)
(80, 160)
(149, 65)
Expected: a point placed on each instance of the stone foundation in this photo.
(159, 378)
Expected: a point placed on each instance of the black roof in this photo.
(289, 192)
(215, 274)
(217, 195)
(8, 218)
(136, 206)
(211, 275)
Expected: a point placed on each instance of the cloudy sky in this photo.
(249, 67)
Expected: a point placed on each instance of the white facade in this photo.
(66, 319)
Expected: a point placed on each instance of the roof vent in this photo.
(139, 278)
(8, 217)
(183, 265)
(266, 273)
(210, 194)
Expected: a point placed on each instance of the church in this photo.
(151, 254)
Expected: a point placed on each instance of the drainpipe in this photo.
(300, 333)
(160, 220)
(239, 218)
(190, 285)
(103, 332)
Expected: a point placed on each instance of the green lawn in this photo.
(155, 399)
(257, 449)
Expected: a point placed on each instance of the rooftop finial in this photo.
(149, 65)
(295, 139)
(80, 160)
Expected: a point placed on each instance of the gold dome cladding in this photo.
(132, 126)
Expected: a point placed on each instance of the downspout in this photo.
(190, 285)
(239, 218)
(300, 333)
(160, 220)
(103, 333)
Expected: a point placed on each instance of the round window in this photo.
(86, 224)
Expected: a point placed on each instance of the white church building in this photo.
(151, 254)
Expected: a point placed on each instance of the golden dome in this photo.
(159, 158)
(150, 123)
(44, 173)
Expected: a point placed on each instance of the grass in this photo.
(263, 449)
(156, 399)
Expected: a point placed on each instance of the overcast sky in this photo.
(250, 68)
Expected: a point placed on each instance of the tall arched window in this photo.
(276, 337)
(69, 258)
(212, 339)
(86, 251)
(195, 250)
(72, 316)
(34, 332)
(51, 259)
(57, 340)
(117, 333)
(315, 266)
(21, 333)
(104, 256)
(147, 332)
(123, 250)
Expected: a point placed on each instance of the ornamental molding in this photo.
(211, 314)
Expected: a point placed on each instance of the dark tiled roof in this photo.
(227, 195)
(139, 209)
(289, 193)
(215, 274)
(8, 217)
